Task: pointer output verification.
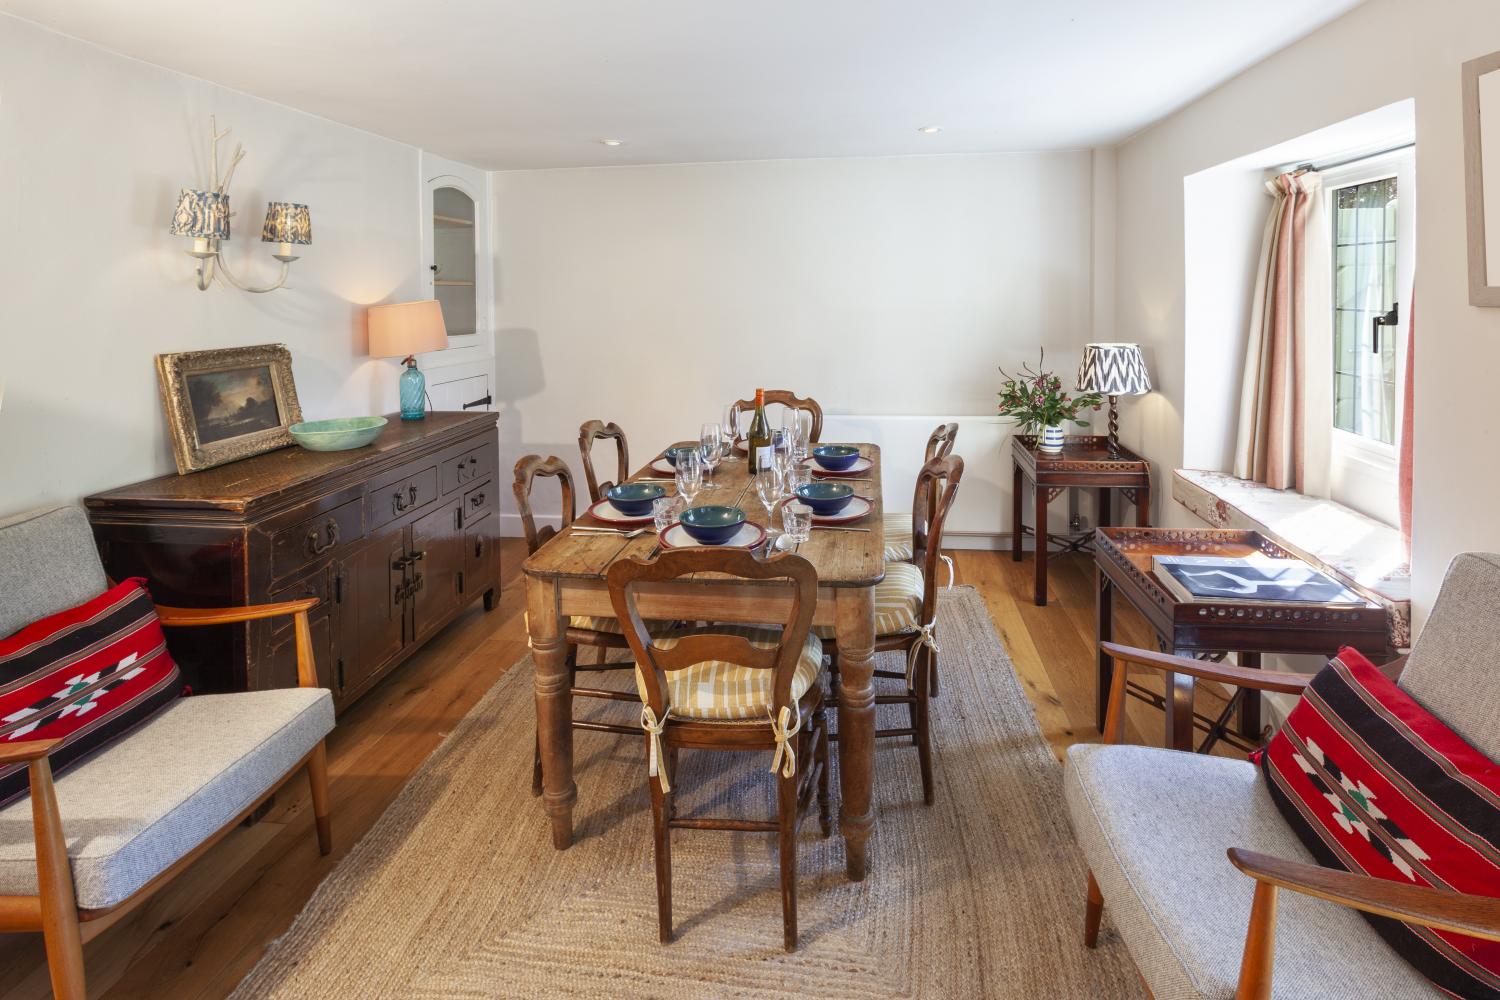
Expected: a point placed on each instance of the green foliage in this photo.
(1036, 398)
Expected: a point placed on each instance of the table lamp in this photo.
(1114, 370)
(404, 330)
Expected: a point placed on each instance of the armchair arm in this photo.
(25, 753)
(307, 672)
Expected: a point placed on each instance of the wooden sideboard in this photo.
(394, 539)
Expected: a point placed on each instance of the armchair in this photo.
(1169, 836)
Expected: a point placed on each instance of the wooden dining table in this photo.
(566, 577)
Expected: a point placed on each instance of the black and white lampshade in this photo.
(1114, 370)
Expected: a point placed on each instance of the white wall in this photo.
(652, 296)
(93, 150)
(1380, 53)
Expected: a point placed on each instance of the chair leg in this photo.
(786, 814)
(660, 807)
(60, 931)
(536, 767)
(1092, 911)
(923, 724)
(317, 777)
(825, 801)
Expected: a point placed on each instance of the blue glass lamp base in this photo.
(413, 394)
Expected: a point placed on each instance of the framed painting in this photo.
(227, 404)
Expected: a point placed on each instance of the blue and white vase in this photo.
(1051, 440)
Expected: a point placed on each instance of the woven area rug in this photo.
(457, 893)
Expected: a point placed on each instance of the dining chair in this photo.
(899, 546)
(590, 432)
(603, 634)
(791, 401)
(906, 611)
(731, 688)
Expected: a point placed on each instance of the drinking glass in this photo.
(731, 428)
(801, 436)
(665, 511)
(768, 486)
(796, 522)
(689, 474)
(796, 475)
(710, 453)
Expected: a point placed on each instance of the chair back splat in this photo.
(789, 399)
(590, 432)
(527, 469)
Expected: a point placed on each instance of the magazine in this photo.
(1254, 579)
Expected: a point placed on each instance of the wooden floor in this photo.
(199, 936)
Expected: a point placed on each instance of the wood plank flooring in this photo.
(199, 936)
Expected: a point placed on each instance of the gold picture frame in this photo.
(227, 404)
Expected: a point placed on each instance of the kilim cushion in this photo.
(717, 689)
(1372, 783)
(87, 676)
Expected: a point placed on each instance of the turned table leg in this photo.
(854, 629)
(554, 706)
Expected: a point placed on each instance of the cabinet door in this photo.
(277, 666)
(437, 553)
(379, 577)
(481, 555)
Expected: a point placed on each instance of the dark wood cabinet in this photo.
(394, 540)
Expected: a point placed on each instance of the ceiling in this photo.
(536, 83)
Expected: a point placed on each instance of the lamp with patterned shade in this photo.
(203, 215)
(286, 223)
(1115, 370)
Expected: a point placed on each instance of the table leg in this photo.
(1105, 632)
(1143, 507)
(854, 628)
(554, 707)
(1018, 483)
(1250, 703)
(1041, 545)
(1105, 513)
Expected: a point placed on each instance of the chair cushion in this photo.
(717, 689)
(898, 602)
(899, 544)
(596, 624)
(1154, 826)
(132, 811)
(86, 676)
(1374, 784)
(48, 563)
(1451, 669)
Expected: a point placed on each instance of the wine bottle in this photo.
(758, 438)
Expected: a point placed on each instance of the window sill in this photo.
(1360, 551)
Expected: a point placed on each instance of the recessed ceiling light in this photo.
(611, 142)
(930, 129)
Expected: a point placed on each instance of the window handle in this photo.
(1389, 319)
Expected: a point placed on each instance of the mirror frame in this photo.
(1481, 292)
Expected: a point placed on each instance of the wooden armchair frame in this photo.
(789, 399)
(590, 432)
(1461, 913)
(54, 910)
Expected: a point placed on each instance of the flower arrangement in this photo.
(1037, 400)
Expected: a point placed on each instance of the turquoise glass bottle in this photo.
(413, 392)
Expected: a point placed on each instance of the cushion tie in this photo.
(786, 756)
(656, 766)
(949, 561)
(926, 636)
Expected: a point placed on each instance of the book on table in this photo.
(1255, 579)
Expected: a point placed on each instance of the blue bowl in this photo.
(712, 525)
(671, 455)
(634, 499)
(835, 457)
(825, 498)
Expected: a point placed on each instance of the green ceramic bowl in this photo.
(340, 434)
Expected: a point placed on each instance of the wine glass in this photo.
(731, 428)
(689, 474)
(768, 486)
(710, 452)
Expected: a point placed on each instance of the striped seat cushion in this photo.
(899, 545)
(717, 689)
(898, 602)
(596, 624)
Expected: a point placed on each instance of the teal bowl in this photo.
(634, 499)
(340, 434)
(835, 457)
(825, 498)
(712, 525)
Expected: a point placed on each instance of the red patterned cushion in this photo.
(86, 676)
(1375, 784)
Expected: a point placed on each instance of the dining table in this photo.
(566, 577)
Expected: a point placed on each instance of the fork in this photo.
(638, 532)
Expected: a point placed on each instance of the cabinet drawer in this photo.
(469, 467)
(479, 503)
(314, 539)
(401, 497)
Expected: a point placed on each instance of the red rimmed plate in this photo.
(858, 507)
(661, 465)
(603, 510)
(748, 536)
(860, 465)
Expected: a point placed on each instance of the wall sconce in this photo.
(204, 216)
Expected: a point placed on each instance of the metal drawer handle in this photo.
(476, 501)
(331, 530)
(403, 501)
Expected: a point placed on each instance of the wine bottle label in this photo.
(763, 457)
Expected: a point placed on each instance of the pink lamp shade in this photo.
(402, 329)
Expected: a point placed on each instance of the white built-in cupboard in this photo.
(457, 271)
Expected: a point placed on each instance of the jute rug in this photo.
(457, 893)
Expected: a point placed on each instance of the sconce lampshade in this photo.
(1114, 370)
(286, 222)
(202, 215)
(405, 328)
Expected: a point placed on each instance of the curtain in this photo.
(1404, 460)
(1270, 447)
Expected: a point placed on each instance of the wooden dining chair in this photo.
(731, 688)
(906, 611)
(603, 634)
(590, 432)
(899, 546)
(791, 401)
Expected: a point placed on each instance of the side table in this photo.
(1084, 461)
